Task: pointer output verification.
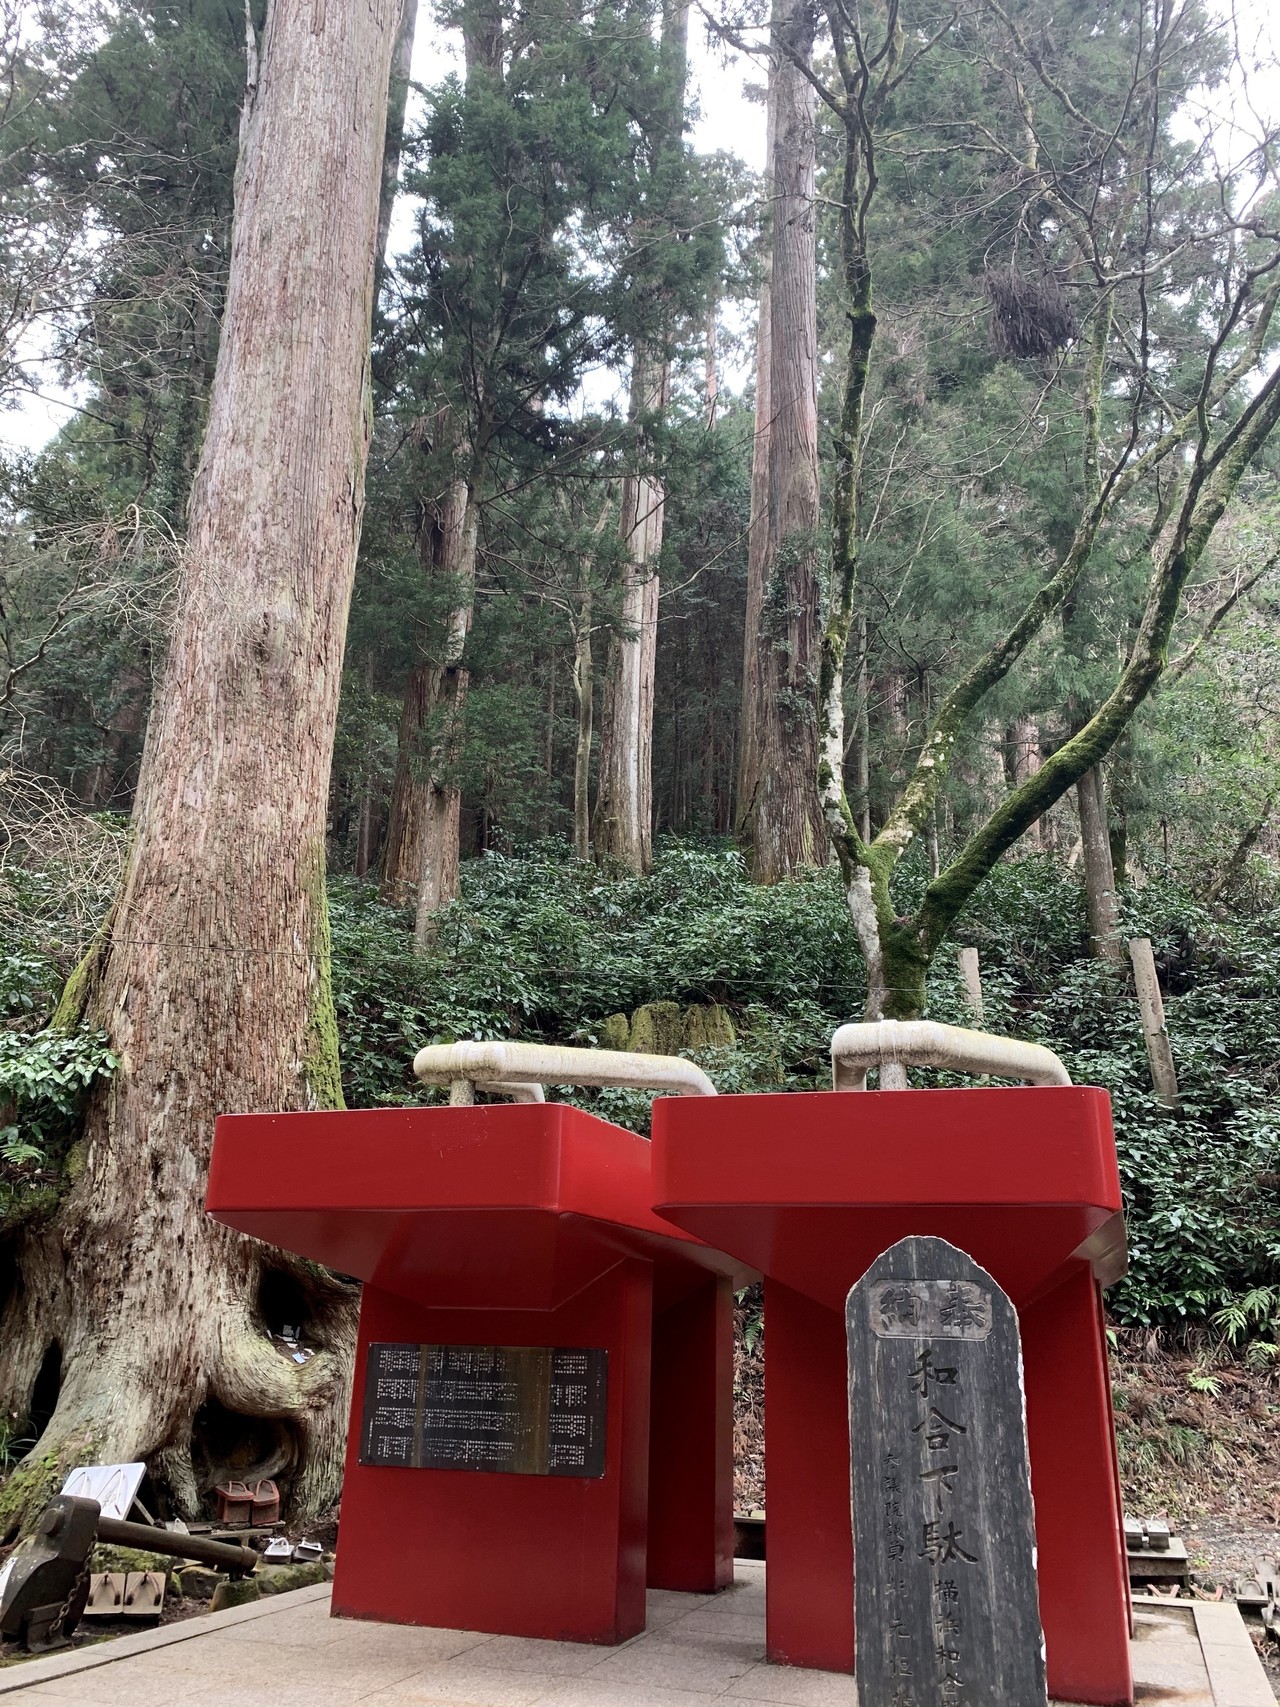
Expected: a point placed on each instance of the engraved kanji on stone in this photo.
(962, 1307)
(942, 1478)
(940, 1546)
(938, 1467)
(927, 1373)
(899, 1306)
(938, 1429)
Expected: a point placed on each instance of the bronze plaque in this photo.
(524, 1410)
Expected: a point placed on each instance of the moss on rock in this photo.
(280, 1579)
(708, 1027)
(235, 1592)
(615, 1032)
(106, 1557)
(657, 1029)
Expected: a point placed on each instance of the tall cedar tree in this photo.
(211, 976)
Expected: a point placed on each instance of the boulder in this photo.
(238, 1591)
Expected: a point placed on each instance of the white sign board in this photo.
(114, 1486)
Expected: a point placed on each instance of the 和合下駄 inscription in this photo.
(527, 1410)
(946, 1605)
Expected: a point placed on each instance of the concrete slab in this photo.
(698, 1650)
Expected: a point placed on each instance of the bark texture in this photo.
(584, 692)
(780, 810)
(397, 102)
(212, 978)
(441, 551)
(758, 530)
(623, 828)
(623, 823)
(1099, 872)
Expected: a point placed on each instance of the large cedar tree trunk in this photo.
(623, 828)
(413, 789)
(426, 806)
(623, 824)
(758, 525)
(780, 807)
(212, 978)
(446, 705)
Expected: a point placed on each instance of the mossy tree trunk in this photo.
(212, 977)
(1101, 899)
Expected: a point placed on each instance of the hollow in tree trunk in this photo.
(212, 975)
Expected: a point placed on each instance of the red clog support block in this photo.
(550, 1556)
(810, 1189)
(1085, 1604)
(525, 1225)
(809, 1536)
(691, 1442)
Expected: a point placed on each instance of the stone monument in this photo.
(946, 1608)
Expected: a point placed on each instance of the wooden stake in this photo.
(1164, 1076)
(972, 975)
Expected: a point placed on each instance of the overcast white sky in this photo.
(727, 120)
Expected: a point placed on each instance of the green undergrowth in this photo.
(546, 948)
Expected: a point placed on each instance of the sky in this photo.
(727, 120)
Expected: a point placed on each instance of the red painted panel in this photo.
(464, 1207)
(519, 1225)
(549, 1556)
(811, 1188)
(809, 1578)
(1084, 1580)
(691, 1442)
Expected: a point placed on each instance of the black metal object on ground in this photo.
(45, 1583)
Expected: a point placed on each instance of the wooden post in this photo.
(971, 972)
(1099, 874)
(1164, 1076)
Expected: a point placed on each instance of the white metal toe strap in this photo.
(520, 1070)
(894, 1045)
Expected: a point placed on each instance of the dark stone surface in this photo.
(944, 1539)
(527, 1410)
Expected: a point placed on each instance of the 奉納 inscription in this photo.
(929, 1309)
(947, 1612)
(528, 1410)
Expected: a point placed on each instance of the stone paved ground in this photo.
(698, 1650)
